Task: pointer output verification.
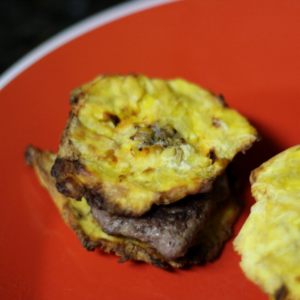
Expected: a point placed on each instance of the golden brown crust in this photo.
(207, 245)
(65, 170)
(131, 142)
(68, 166)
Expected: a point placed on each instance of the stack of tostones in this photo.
(140, 169)
(269, 241)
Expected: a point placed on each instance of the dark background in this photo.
(24, 24)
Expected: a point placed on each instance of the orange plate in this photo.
(246, 50)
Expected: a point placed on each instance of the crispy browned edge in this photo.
(207, 247)
(42, 162)
(65, 171)
(68, 165)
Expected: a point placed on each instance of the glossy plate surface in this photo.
(246, 50)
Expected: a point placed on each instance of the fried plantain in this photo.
(269, 241)
(131, 142)
(77, 215)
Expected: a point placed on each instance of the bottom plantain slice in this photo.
(77, 214)
(269, 241)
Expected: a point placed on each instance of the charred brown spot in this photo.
(110, 156)
(216, 123)
(79, 167)
(212, 155)
(94, 196)
(111, 117)
(121, 178)
(222, 100)
(253, 176)
(153, 135)
(29, 155)
(66, 183)
(88, 245)
(281, 293)
(71, 188)
(149, 170)
(123, 259)
(157, 263)
(59, 168)
(145, 150)
(298, 278)
(76, 95)
(63, 167)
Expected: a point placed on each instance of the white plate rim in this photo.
(80, 28)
